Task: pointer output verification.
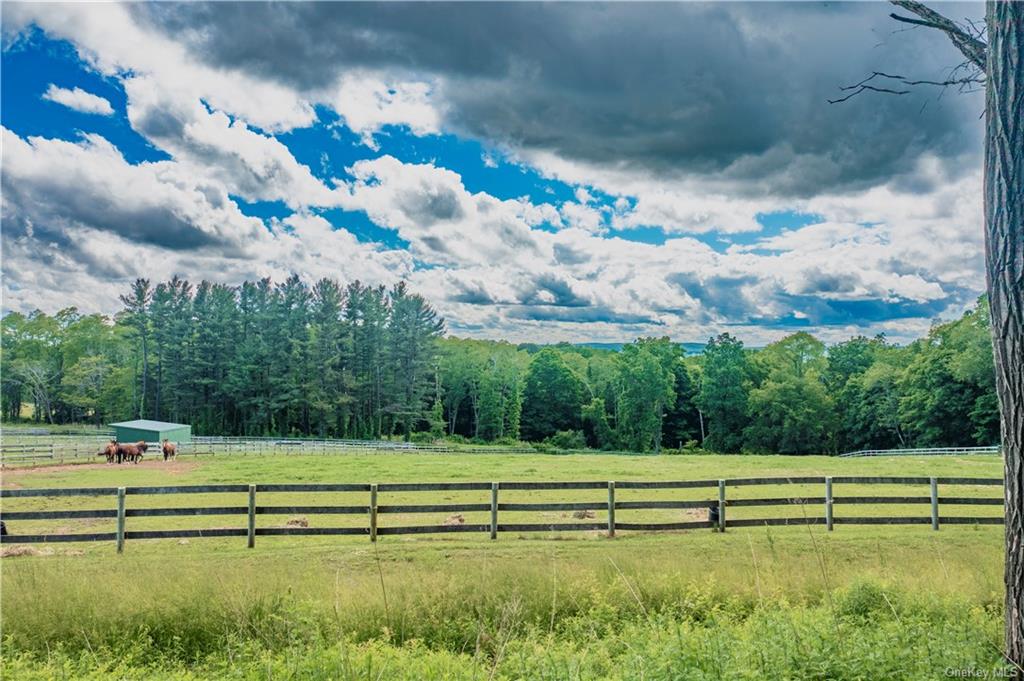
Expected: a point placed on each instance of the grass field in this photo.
(789, 602)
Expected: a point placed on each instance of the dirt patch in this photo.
(19, 550)
(169, 467)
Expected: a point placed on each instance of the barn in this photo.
(151, 431)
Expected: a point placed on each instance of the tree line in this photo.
(358, 361)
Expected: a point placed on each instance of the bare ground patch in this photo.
(169, 467)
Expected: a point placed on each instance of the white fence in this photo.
(77, 449)
(925, 451)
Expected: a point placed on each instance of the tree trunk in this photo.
(1004, 261)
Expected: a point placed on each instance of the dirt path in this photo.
(176, 467)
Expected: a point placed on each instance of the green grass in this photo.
(779, 603)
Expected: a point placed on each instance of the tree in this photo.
(999, 64)
(724, 393)
(552, 397)
(682, 420)
(646, 390)
(136, 316)
(413, 330)
(791, 412)
(848, 362)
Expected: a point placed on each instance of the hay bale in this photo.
(299, 521)
(455, 519)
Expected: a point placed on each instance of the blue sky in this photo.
(530, 188)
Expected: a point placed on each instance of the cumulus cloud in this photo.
(734, 92)
(368, 102)
(77, 236)
(708, 116)
(79, 100)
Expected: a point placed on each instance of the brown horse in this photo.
(170, 449)
(110, 451)
(132, 452)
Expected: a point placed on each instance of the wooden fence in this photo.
(718, 507)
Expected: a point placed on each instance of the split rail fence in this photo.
(720, 507)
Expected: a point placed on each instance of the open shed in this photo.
(151, 431)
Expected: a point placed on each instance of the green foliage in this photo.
(791, 412)
(552, 397)
(567, 439)
(598, 432)
(725, 392)
(366, 362)
(646, 390)
(640, 610)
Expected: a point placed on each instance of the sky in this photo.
(576, 172)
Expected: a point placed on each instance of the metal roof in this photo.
(145, 424)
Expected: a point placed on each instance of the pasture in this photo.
(759, 602)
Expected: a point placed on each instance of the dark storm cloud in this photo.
(733, 92)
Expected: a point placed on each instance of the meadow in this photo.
(797, 602)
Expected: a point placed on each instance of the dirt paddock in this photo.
(169, 467)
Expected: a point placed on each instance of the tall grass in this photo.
(537, 617)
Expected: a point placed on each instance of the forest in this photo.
(357, 361)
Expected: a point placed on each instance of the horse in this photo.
(110, 451)
(132, 452)
(170, 449)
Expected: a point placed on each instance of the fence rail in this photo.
(71, 448)
(926, 451)
(372, 509)
(83, 447)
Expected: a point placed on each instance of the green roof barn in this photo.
(151, 431)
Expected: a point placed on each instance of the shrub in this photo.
(567, 439)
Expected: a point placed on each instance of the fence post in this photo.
(611, 508)
(373, 512)
(935, 503)
(828, 503)
(120, 519)
(252, 516)
(494, 510)
(721, 505)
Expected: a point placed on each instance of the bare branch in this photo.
(973, 48)
(964, 82)
(863, 86)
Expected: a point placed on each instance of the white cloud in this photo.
(107, 36)
(79, 100)
(250, 164)
(367, 102)
(79, 221)
(78, 236)
(445, 224)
